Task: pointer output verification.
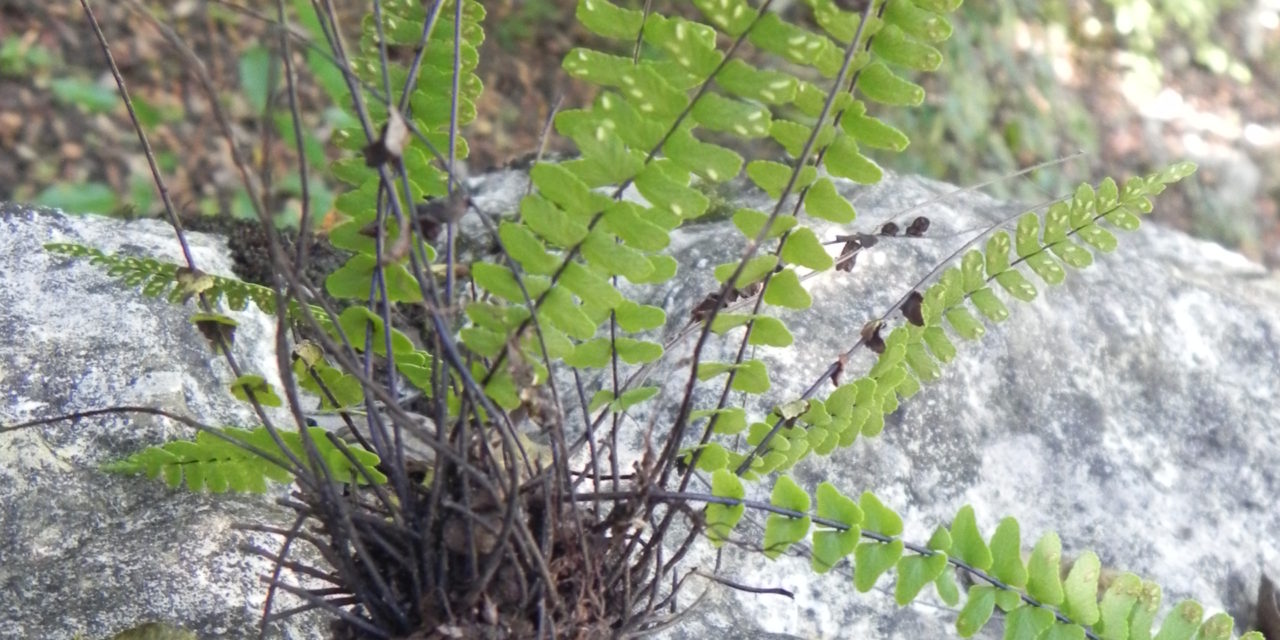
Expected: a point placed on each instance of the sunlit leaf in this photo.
(1044, 581)
(1182, 622)
(784, 290)
(1118, 603)
(755, 269)
(977, 610)
(844, 160)
(1080, 589)
(896, 46)
(712, 162)
(771, 332)
(769, 87)
(916, 571)
(881, 85)
(822, 201)
(803, 247)
(607, 19)
(1027, 621)
(721, 518)
(782, 531)
(718, 113)
(966, 541)
(871, 560)
(751, 222)
(1006, 552)
(877, 517)
(1017, 285)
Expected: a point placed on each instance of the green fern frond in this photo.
(178, 284)
(432, 113)
(221, 462)
(913, 353)
(1036, 599)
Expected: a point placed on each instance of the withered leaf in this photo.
(445, 210)
(192, 282)
(704, 308)
(871, 336)
(913, 310)
(430, 230)
(889, 229)
(792, 410)
(390, 142)
(848, 256)
(369, 230)
(918, 227)
(748, 291)
(433, 215)
(309, 352)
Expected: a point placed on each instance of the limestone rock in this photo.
(91, 553)
(1133, 409)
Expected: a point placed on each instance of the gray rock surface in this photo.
(1133, 409)
(89, 553)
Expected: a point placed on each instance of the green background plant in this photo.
(999, 109)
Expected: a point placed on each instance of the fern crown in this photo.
(569, 294)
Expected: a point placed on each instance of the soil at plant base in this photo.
(52, 137)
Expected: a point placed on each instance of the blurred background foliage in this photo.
(1131, 83)
(1022, 78)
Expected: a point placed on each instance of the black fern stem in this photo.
(730, 283)
(657, 495)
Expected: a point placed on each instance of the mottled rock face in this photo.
(1133, 409)
(91, 553)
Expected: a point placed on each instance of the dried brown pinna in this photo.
(433, 215)
(918, 227)
(704, 308)
(913, 310)
(447, 210)
(192, 282)
(871, 336)
(390, 142)
(848, 256)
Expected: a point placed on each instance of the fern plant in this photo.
(497, 536)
